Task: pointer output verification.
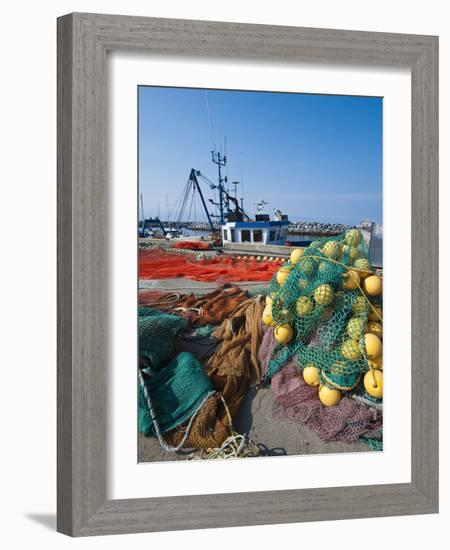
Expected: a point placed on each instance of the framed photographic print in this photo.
(247, 270)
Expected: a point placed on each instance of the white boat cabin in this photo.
(258, 232)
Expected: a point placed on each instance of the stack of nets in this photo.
(328, 313)
(157, 332)
(298, 402)
(177, 391)
(177, 402)
(158, 264)
(234, 364)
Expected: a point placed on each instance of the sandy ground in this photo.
(275, 437)
(180, 284)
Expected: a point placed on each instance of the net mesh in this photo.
(158, 264)
(157, 332)
(209, 429)
(320, 297)
(299, 403)
(192, 245)
(176, 392)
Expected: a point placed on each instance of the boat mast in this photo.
(221, 161)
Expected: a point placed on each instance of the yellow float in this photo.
(351, 280)
(307, 266)
(350, 350)
(269, 300)
(352, 237)
(283, 334)
(373, 285)
(267, 318)
(360, 305)
(329, 396)
(311, 375)
(296, 254)
(355, 328)
(282, 274)
(373, 383)
(372, 345)
(350, 252)
(323, 295)
(332, 250)
(363, 267)
(304, 305)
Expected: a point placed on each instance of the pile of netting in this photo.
(174, 389)
(192, 245)
(297, 401)
(326, 310)
(185, 404)
(157, 264)
(205, 309)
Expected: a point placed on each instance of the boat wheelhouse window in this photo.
(245, 236)
(257, 235)
(232, 235)
(272, 235)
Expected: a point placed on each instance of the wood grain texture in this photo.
(83, 208)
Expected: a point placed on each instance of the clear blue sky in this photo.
(315, 157)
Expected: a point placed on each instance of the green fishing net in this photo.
(327, 310)
(176, 392)
(157, 332)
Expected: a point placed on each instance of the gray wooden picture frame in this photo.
(83, 42)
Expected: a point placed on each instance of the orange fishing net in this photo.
(206, 309)
(209, 429)
(157, 264)
(192, 245)
(235, 362)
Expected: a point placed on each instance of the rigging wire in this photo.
(174, 208)
(184, 201)
(209, 119)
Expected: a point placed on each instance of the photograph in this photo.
(260, 274)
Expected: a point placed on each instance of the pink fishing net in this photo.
(300, 403)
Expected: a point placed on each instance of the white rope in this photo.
(235, 446)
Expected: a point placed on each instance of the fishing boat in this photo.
(261, 231)
(229, 226)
